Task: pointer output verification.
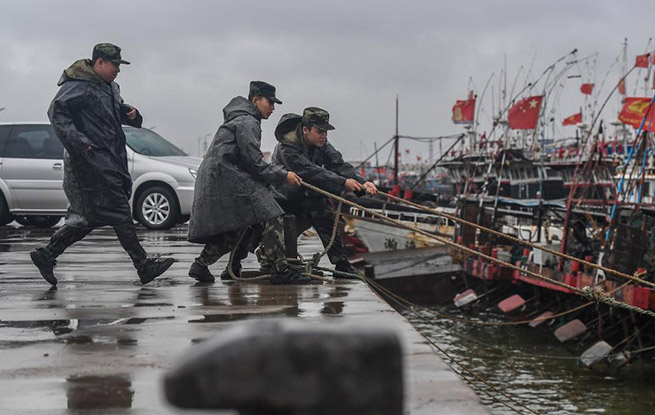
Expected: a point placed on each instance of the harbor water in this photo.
(532, 367)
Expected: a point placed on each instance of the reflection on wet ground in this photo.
(99, 392)
(101, 340)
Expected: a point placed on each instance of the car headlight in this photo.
(193, 172)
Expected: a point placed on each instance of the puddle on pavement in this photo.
(99, 392)
(332, 307)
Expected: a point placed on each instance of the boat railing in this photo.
(414, 217)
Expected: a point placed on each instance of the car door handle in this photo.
(57, 166)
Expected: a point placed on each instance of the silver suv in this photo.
(32, 172)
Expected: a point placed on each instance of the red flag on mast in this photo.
(464, 111)
(622, 86)
(524, 114)
(587, 89)
(573, 119)
(642, 61)
(634, 110)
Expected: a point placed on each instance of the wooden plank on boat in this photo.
(540, 319)
(511, 303)
(570, 330)
(595, 353)
(465, 297)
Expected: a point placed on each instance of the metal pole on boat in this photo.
(396, 148)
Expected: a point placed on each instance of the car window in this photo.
(149, 143)
(4, 133)
(34, 142)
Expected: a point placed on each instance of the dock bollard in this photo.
(292, 367)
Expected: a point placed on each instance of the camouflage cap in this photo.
(264, 89)
(108, 52)
(317, 117)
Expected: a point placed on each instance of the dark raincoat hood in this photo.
(240, 106)
(287, 124)
(80, 70)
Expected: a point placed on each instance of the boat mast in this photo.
(396, 149)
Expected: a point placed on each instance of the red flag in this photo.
(463, 111)
(586, 88)
(634, 110)
(525, 113)
(642, 61)
(622, 86)
(573, 119)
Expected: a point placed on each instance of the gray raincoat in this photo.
(88, 112)
(322, 167)
(232, 185)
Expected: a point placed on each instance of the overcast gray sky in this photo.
(189, 58)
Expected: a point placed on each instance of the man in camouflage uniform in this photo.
(87, 114)
(303, 148)
(232, 196)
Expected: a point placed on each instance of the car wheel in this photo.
(157, 208)
(41, 221)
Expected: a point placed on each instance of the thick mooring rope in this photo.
(517, 240)
(472, 252)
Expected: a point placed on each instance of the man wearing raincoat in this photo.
(86, 114)
(232, 193)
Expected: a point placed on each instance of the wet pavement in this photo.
(101, 341)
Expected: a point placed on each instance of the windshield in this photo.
(149, 143)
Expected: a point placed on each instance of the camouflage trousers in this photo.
(317, 213)
(272, 245)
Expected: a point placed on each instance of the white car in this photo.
(32, 172)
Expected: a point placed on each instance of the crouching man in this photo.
(303, 147)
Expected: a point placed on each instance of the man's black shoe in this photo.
(154, 267)
(45, 263)
(289, 276)
(344, 266)
(225, 275)
(200, 273)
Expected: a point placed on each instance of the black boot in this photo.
(200, 273)
(289, 276)
(344, 266)
(153, 267)
(236, 269)
(45, 263)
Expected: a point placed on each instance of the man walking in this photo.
(303, 148)
(87, 114)
(232, 193)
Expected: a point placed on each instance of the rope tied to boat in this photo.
(599, 295)
(489, 258)
(520, 241)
